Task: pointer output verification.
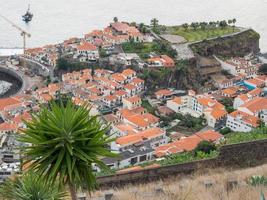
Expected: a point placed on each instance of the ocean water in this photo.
(56, 20)
(4, 87)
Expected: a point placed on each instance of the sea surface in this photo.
(56, 20)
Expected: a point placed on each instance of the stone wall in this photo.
(236, 155)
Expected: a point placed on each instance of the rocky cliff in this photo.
(236, 45)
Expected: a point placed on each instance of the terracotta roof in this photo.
(129, 86)
(210, 135)
(255, 92)
(126, 128)
(120, 93)
(177, 100)
(128, 72)
(86, 46)
(138, 137)
(19, 118)
(218, 113)
(151, 119)
(119, 26)
(7, 102)
(110, 97)
(164, 92)
(138, 120)
(248, 119)
(110, 118)
(256, 105)
(118, 77)
(134, 99)
(256, 82)
(130, 169)
(137, 81)
(8, 126)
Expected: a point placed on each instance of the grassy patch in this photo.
(144, 48)
(140, 48)
(257, 134)
(192, 35)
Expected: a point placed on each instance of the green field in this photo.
(192, 35)
(139, 48)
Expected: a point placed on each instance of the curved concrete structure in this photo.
(11, 76)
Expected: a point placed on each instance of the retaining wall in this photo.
(236, 155)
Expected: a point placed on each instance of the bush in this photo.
(205, 147)
(225, 131)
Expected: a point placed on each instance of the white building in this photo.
(239, 121)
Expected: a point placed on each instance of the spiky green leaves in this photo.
(64, 143)
(30, 187)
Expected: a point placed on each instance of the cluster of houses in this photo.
(87, 48)
(13, 111)
(250, 105)
(118, 98)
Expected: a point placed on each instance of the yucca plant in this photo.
(30, 187)
(64, 143)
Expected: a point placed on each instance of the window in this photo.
(133, 160)
(143, 158)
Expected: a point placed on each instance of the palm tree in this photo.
(194, 25)
(234, 21)
(115, 19)
(185, 26)
(230, 22)
(64, 143)
(30, 187)
(154, 23)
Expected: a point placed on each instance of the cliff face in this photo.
(195, 74)
(184, 76)
(237, 45)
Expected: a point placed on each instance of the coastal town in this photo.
(106, 70)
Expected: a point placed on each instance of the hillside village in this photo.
(144, 127)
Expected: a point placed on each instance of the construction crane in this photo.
(23, 33)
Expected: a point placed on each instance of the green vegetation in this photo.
(257, 134)
(144, 48)
(228, 103)
(154, 24)
(205, 147)
(30, 187)
(257, 181)
(187, 157)
(64, 143)
(192, 35)
(148, 107)
(66, 65)
(168, 77)
(225, 131)
(197, 31)
(188, 124)
(263, 69)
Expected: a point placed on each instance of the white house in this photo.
(239, 121)
(87, 51)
